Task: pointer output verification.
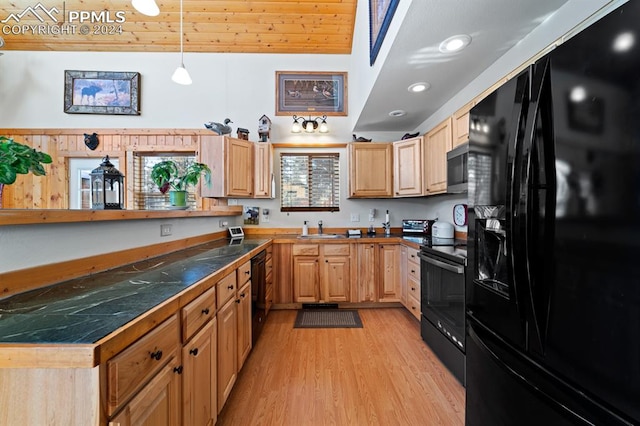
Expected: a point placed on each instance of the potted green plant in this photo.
(17, 158)
(170, 177)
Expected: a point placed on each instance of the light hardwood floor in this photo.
(381, 374)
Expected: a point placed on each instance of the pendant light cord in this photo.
(181, 35)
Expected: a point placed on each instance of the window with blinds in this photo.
(146, 195)
(309, 182)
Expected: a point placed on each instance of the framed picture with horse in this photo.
(102, 92)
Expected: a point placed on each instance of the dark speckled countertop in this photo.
(86, 309)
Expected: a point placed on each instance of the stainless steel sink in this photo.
(320, 236)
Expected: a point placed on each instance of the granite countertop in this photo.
(85, 310)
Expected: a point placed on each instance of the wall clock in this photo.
(460, 214)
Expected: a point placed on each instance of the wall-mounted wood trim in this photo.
(128, 131)
(34, 216)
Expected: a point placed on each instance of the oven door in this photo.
(442, 294)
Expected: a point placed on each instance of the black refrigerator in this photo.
(553, 272)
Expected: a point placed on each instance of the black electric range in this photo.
(452, 249)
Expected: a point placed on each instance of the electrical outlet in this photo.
(355, 217)
(165, 230)
(265, 218)
(223, 223)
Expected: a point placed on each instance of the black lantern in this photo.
(107, 187)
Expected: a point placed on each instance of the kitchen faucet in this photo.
(319, 227)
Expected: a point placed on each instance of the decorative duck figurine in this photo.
(360, 139)
(219, 128)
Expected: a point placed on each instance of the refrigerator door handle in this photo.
(538, 165)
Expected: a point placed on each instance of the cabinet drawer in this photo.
(413, 288)
(268, 299)
(412, 255)
(198, 312)
(413, 269)
(269, 251)
(226, 289)
(135, 366)
(306, 250)
(413, 305)
(335, 249)
(244, 273)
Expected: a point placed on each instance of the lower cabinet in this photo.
(227, 349)
(411, 281)
(389, 273)
(199, 378)
(321, 272)
(156, 404)
(243, 301)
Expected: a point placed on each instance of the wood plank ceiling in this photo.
(232, 26)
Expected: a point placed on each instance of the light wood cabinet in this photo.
(227, 350)
(436, 145)
(263, 177)
(199, 358)
(408, 167)
(199, 378)
(135, 366)
(157, 403)
(269, 298)
(366, 275)
(321, 272)
(231, 164)
(244, 323)
(411, 281)
(389, 273)
(370, 170)
(460, 125)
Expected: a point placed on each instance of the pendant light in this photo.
(181, 75)
(146, 7)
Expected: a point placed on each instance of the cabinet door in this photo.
(366, 273)
(239, 168)
(305, 279)
(370, 170)
(227, 350)
(158, 403)
(437, 144)
(282, 273)
(263, 170)
(389, 262)
(404, 267)
(244, 323)
(335, 275)
(407, 167)
(199, 380)
(461, 125)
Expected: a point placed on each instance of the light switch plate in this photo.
(355, 217)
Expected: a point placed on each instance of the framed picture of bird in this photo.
(301, 92)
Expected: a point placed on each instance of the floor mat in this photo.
(328, 318)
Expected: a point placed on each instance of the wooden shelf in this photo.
(34, 216)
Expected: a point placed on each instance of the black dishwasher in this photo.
(258, 294)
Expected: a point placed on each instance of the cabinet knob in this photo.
(238, 301)
(194, 351)
(243, 295)
(230, 287)
(156, 355)
(178, 369)
(247, 272)
(205, 311)
(413, 271)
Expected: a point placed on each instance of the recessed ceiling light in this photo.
(397, 113)
(455, 43)
(418, 87)
(623, 42)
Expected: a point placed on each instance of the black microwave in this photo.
(457, 169)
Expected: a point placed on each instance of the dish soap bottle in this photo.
(305, 229)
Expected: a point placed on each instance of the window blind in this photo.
(146, 195)
(310, 182)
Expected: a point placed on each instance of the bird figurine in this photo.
(360, 139)
(219, 128)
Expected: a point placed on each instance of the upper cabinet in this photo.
(231, 163)
(461, 125)
(370, 170)
(436, 145)
(408, 167)
(263, 176)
